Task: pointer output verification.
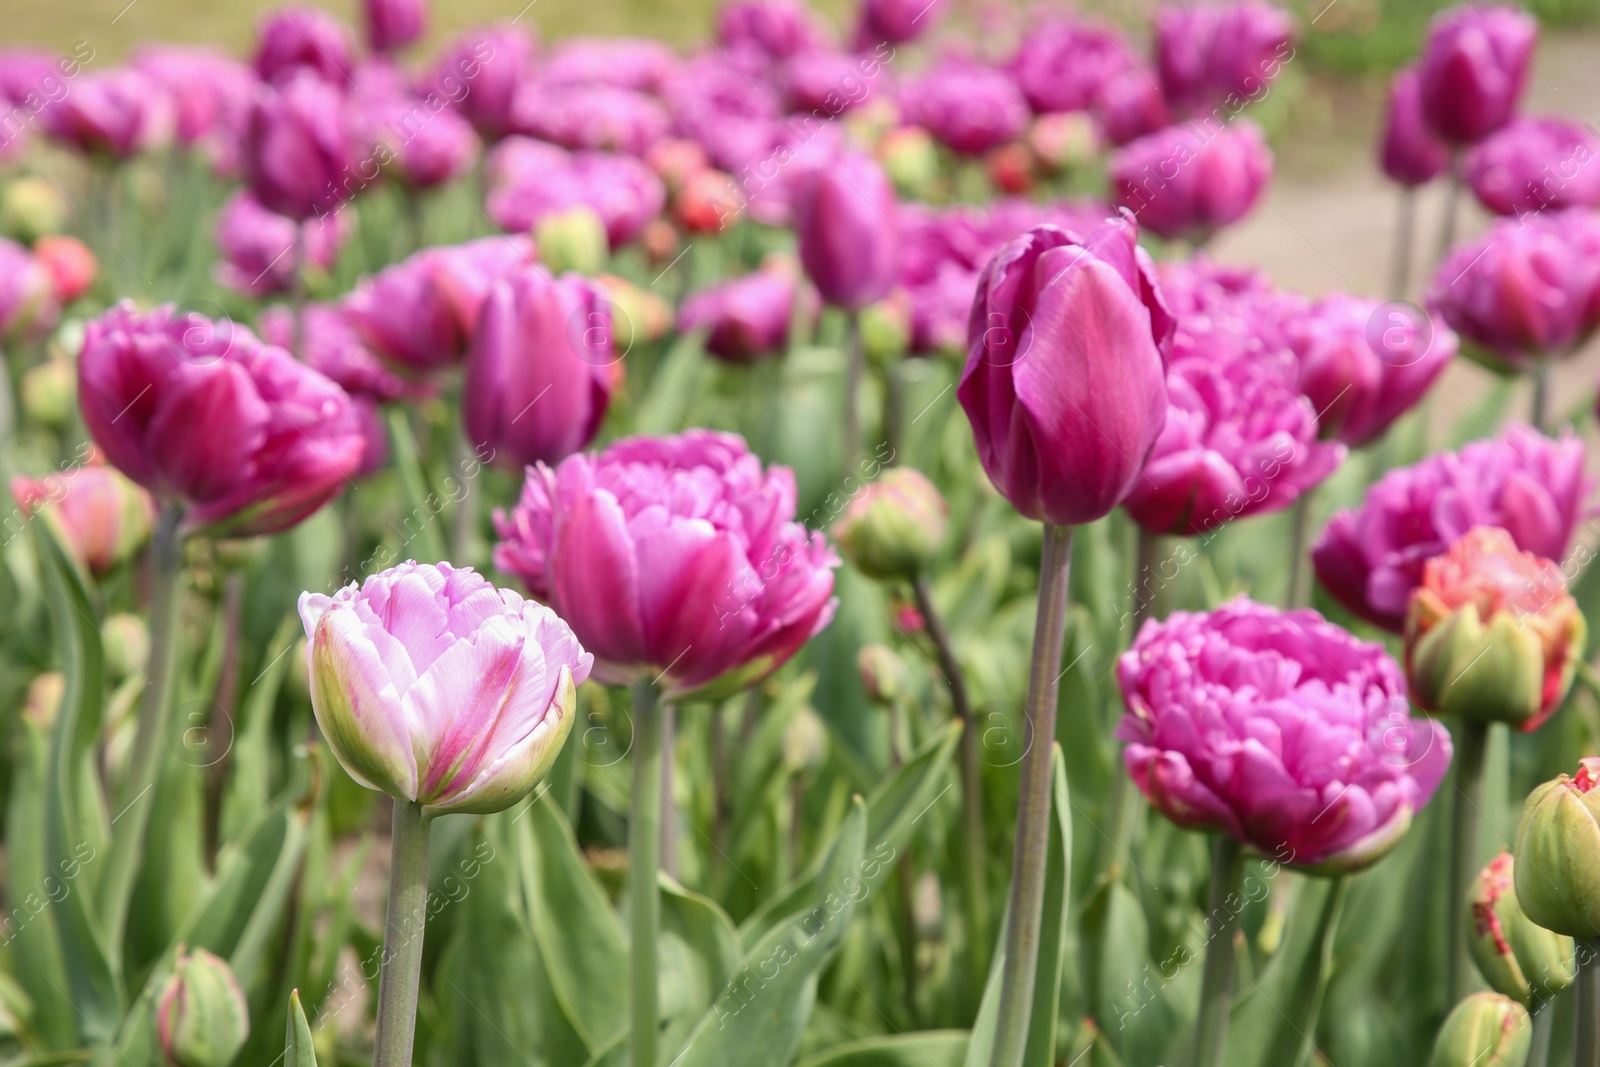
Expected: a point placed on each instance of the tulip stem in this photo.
(1543, 1024)
(1222, 921)
(1299, 575)
(854, 368)
(1033, 803)
(1471, 744)
(1315, 990)
(1586, 1040)
(669, 821)
(1541, 396)
(403, 923)
(1452, 194)
(1404, 236)
(644, 859)
(144, 768)
(1123, 803)
(975, 887)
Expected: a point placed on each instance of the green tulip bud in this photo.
(1484, 1030)
(31, 208)
(883, 674)
(44, 698)
(1517, 957)
(886, 328)
(49, 392)
(894, 527)
(202, 1019)
(805, 743)
(911, 160)
(572, 239)
(127, 641)
(1558, 853)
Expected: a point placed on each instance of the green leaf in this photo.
(297, 1050)
(927, 1048)
(250, 773)
(698, 955)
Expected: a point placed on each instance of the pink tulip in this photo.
(590, 116)
(775, 28)
(437, 688)
(1279, 729)
(118, 113)
(849, 241)
(212, 94)
(1189, 180)
(102, 516)
(897, 21)
(298, 154)
(393, 24)
(1220, 53)
(330, 345)
(967, 106)
(1535, 165)
(70, 264)
(28, 304)
(249, 440)
(1411, 153)
(261, 250)
(300, 38)
(480, 73)
(1064, 64)
(746, 318)
(422, 145)
(1473, 68)
(531, 179)
(676, 558)
(639, 63)
(1130, 105)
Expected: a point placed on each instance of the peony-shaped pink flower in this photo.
(676, 557)
(259, 249)
(1188, 181)
(1279, 729)
(437, 688)
(1536, 164)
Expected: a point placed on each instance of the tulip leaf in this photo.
(297, 1050)
(1052, 942)
(699, 954)
(892, 811)
(579, 934)
(760, 1017)
(250, 773)
(927, 1048)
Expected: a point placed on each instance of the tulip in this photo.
(1063, 64)
(741, 589)
(883, 674)
(202, 413)
(1536, 164)
(116, 114)
(1062, 141)
(1526, 292)
(529, 180)
(774, 28)
(1317, 763)
(676, 161)
(1411, 153)
(1518, 959)
(897, 21)
(1492, 635)
(49, 392)
(1358, 388)
(895, 526)
(481, 72)
(600, 117)
(1370, 559)
(1557, 851)
(298, 155)
(1473, 67)
(30, 208)
(330, 345)
(70, 264)
(1187, 181)
(968, 107)
(1063, 382)
(1484, 1030)
(300, 38)
(102, 518)
(202, 1018)
(826, 84)
(262, 251)
(210, 91)
(409, 139)
(127, 643)
(625, 62)
(1130, 105)
(572, 239)
(27, 293)
(746, 318)
(708, 202)
(1210, 52)
(845, 223)
(393, 24)
(540, 341)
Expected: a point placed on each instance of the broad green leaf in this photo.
(926, 1048)
(698, 955)
(297, 1050)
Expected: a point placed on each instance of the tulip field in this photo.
(850, 537)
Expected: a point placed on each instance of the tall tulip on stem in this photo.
(1411, 155)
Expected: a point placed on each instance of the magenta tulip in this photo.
(1187, 181)
(590, 116)
(212, 94)
(420, 145)
(1536, 165)
(638, 63)
(480, 73)
(393, 24)
(1064, 64)
(248, 439)
(529, 180)
(1411, 152)
(825, 84)
(419, 314)
(776, 28)
(1473, 67)
(969, 107)
(745, 318)
(538, 374)
(1064, 378)
(897, 21)
(298, 154)
(1130, 105)
(1280, 730)
(118, 114)
(1370, 558)
(259, 250)
(298, 38)
(845, 220)
(330, 345)
(1220, 53)
(673, 558)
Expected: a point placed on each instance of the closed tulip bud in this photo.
(1010, 168)
(70, 264)
(102, 517)
(439, 689)
(886, 328)
(127, 641)
(708, 202)
(49, 392)
(44, 698)
(805, 743)
(1557, 872)
(845, 220)
(1492, 634)
(573, 239)
(393, 24)
(894, 526)
(883, 674)
(1473, 67)
(1063, 140)
(1411, 152)
(31, 208)
(1517, 957)
(910, 158)
(298, 154)
(1484, 1030)
(202, 1019)
(637, 314)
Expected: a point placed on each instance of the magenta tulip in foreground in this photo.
(437, 688)
(1280, 730)
(673, 558)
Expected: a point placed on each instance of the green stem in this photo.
(423, 517)
(1471, 742)
(1540, 415)
(134, 805)
(1586, 1040)
(1033, 804)
(1543, 1023)
(402, 936)
(1404, 231)
(852, 392)
(1124, 805)
(644, 843)
(1299, 573)
(669, 817)
(1327, 932)
(1447, 226)
(1216, 984)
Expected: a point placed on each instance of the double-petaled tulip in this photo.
(1188, 180)
(538, 373)
(1558, 853)
(1063, 63)
(202, 1017)
(102, 516)
(971, 108)
(896, 21)
(211, 94)
(746, 318)
(262, 250)
(893, 528)
(602, 117)
(1371, 558)
(530, 179)
(1361, 374)
(1065, 376)
(306, 38)
(1473, 67)
(202, 413)
(1279, 729)
(1130, 106)
(675, 558)
(1484, 1030)
(1528, 290)
(117, 114)
(439, 689)
(421, 146)
(393, 24)
(1492, 635)
(1208, 52)
(826, 83)
(775, 28)
(845, 220)
(626, 62)
(28, 304)
(1535, 165)
(297, 150)
(481, 72)
(1517, 957)
(1411, 153)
